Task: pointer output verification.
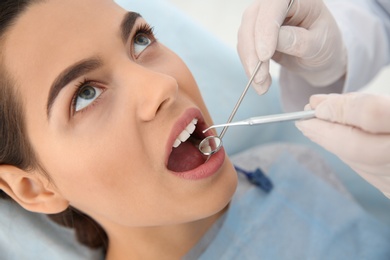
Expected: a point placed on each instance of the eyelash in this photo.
(144, 29)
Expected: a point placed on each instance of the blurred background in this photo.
(220, 17)
(223, 18)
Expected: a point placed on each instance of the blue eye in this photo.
(143, 38)
(141, 42)
(86, 95)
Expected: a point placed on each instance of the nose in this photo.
(157, 91)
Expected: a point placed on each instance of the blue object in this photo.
(294, 221)
(257, 178)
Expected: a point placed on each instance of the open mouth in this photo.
(185, 155)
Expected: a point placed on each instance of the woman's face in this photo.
(104, 104)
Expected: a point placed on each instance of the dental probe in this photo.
(268, 119)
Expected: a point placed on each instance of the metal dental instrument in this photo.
(268, 119)
(212, 144)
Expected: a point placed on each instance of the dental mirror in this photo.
(210, 145)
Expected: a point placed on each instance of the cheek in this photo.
(96, 179)
(91, 158)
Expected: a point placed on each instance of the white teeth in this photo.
(186, 133)
(184, 136)
(190, 128)
(176, 143)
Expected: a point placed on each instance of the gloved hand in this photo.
(308, 42)
(355, 127)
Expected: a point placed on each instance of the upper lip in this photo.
(181, 124)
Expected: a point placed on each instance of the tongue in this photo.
(185, 157)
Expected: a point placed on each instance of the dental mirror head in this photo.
(210, 145)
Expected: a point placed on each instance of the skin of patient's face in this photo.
(108, 160)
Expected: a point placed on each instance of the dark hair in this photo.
(15, 148)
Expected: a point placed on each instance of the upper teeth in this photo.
(186, 133)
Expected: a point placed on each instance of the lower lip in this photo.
(205, 170)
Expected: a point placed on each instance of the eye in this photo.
(143, 38)
(85, 96)
(141, 42)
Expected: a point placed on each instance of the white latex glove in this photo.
(355, 127)
(308, 43)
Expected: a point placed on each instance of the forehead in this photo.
(55, 33)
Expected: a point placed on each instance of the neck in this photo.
(167, 242)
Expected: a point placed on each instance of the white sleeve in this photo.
(365, 27)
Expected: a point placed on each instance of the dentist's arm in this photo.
(356, 128)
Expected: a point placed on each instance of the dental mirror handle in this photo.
(246, 87)
(240, 99)
(269, 119)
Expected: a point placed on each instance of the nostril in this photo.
(162, 105)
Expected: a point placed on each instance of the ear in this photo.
(31, 190)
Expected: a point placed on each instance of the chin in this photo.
(218, 198)
(228, 183)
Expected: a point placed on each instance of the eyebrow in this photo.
(88, 65)
(68, 75)
(128, 23)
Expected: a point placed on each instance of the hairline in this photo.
(7, 81)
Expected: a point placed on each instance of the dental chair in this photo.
(221, 78)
